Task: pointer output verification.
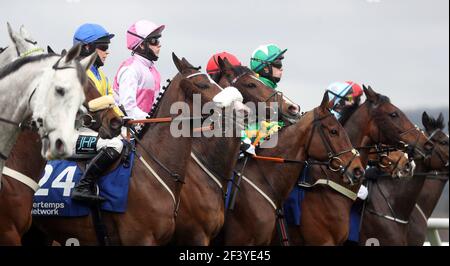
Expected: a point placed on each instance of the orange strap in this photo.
(270, 159)
(151, 120)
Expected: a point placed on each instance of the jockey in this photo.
(94, 38)
(212, 68)
(266, 61)
(344, 95)
(137, 81)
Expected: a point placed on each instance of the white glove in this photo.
(363, 192)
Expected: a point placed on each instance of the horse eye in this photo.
(202, 85)
(333, 132)
(394, 114)
(60, 91)
(444, 142)
(251, 85)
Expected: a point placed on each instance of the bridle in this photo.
(334, 163)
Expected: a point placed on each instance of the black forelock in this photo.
(240, 70)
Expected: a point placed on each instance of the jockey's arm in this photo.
(128, 81)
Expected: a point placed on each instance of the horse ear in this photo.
(440, 119)
(325, 102)
(24, 32)
(186, 62)
(227, 64)
(11, 32)
(87, 62)
(371, 95)
(425, 120)
(177, 62)
(63, 52)
(50, 50)
(73, 53)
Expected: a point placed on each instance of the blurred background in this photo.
(399, 47)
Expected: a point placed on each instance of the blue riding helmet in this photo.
(88, 33)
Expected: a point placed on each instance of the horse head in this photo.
(56, 100)
(254, 90)
(196, 82)
(389, 125)
(327, 141)
(436, 135)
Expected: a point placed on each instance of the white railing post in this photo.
(434, 224)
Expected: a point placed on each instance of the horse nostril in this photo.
(358, 172)
(59, 145)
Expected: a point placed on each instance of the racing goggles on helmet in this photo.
(102, 46)
(277, 64)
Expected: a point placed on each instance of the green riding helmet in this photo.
(265, 55)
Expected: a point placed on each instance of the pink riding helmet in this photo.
(141, 30)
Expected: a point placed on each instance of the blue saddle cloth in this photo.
(293, 210)
(355, 220)
(293, 205)
(60, 177)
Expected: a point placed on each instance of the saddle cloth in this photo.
(60, 177)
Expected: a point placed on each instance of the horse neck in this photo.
(7, 56)
(357, 131)
(401, 194)
(17, 88)
(28, 146)
(172, 152)
(431, 191)
(281, 177)
(219, 153)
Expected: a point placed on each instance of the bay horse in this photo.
(152, 204)
(16, 196)
(434, 183)
(325, 209)
(377, 121)
(49, 89)
(316, 137)
(212, 161)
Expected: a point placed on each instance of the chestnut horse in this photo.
(16, 197)
(152, 204)
(317, 137)
(434, 184)
(201, 214)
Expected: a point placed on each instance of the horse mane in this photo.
(348, 111)
(155, 107)
(158, 99)
(16, 65)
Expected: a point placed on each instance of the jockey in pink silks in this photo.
(137, 82)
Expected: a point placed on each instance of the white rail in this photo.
(434, 225)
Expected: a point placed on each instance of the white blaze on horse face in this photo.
(226, 97)
(60, 95)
